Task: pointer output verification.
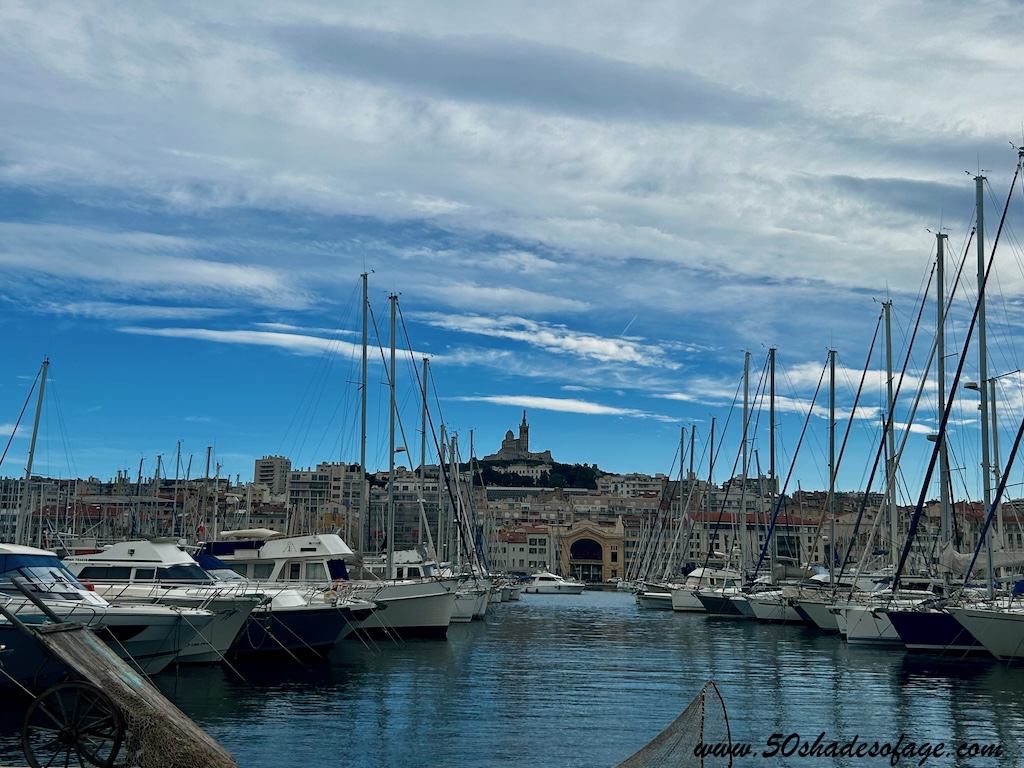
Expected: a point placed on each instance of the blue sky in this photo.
(588, 210)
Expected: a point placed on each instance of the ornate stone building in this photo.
(518, 448)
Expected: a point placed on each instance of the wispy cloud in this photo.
(134, 263)
(106, 310)
(297, 343)
(501, 298)
(566, 406)
(554, 338)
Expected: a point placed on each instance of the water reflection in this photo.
(586, 681)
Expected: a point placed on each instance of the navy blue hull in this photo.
(933, 631)
(288, 632)
(720, 606)
(27, 661)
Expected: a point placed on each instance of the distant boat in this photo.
(655, 596)
(684, 596)
(547, 583)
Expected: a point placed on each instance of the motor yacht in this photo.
(252, 618)
(147, 635)
(547, 583)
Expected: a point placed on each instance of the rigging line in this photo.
(728, 485)
(892, 480)
(304, 413)
(842, 452)
(961, 283)
(867, 492)
(789, 475)
(725, 428)
(62, 425)
(21, 415)
(919, 509)
(758, 406)
(994, 504)
(443, 474)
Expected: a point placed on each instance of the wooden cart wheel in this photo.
(72, 724)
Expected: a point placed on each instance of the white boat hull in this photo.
(1000, 631)
(820, 613)
(868, 625)
(685, 599)
(411, 608)
(655, 600)
(774, 608)
(212, 643)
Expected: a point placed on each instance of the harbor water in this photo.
(583, 681)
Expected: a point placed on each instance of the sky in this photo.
(591, 211)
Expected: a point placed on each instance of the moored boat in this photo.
(547, 583)
(148, 636)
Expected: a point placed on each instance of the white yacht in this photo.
(251, 618)
(149, 636)
(418, 601)
(546, 583)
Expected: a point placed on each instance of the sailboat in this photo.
(730, 599)
(926, 625)
(418, 600)
(957, 624)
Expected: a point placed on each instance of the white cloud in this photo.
(566, 406)
(553, 338)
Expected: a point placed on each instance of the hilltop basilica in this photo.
(518, 448)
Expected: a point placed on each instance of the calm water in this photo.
(559, 680)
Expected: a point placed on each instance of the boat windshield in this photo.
(226, 574)
(182, 573)
(44, 573)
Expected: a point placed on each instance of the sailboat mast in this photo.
(890, 437)
(174, 506)
(986, 479)
(391, 451)
(771, 440)
(21, 532)
(744, 544)
(831, 457)
(945, 519)
(364, 489)
(832, 462)
(423, 455)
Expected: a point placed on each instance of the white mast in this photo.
(945, 519)
(21, 532)
(391, 450)
(890, 437)
(364, 489)
(744, 544)
(986, 488)
(423, 455)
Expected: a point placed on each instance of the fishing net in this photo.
(698, 738)
(118, 717)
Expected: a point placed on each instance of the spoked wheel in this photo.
(72, 725)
